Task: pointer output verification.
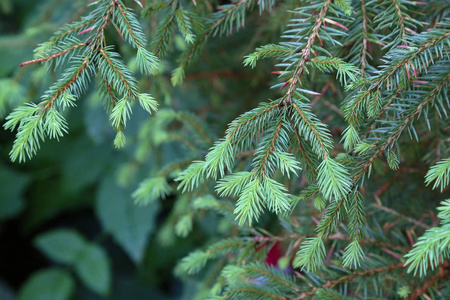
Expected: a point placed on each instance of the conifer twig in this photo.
(437, 89)
(444, 273)
(53, 56)
(306, 51)
(333, 283)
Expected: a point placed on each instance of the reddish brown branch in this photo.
(271, 148)
(306, 52)
(395, 213)
(308, 161)
(405, 61)
(444, 272)
(394, 136)
(52, 56)
(118, 72)
(80, 70)
(365, 39)
(130, 30)
(333, 283)
(311, 126)
(110, 92)
(233, 132)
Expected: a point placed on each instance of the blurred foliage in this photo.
(83, 220)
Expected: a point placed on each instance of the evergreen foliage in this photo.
(87, 58)
(302, 172)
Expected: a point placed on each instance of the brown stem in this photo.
(52, 56)
(49, 103)
(378, 81)
(444, 272)
(306, 52)
(117, 71)
(395, 213)
(271, 148)
(130, 30)
(394, 136)
(333, 283)
(365, 39)
(311, 126)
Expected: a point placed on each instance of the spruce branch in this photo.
(165, 29)
(250, 205)
(306, 52)
(433, 247)
(151, 189)
(348, 278)
(332, 213)
(53, 56)
(311, 254)
(381, 112)
(115, 72)
(195, 261)
(243, 125)
(68, 83)
(401, 19)
(111, 93)
(268, 51)
(263, 162)
(93, 56)
(222, 22)
(191, 177)
(430, 250)
(443, 274)
(353, 254)
(277, 277)
(129, 25)
(311, 129)
(394, 135)
(278, 198)
(252, 291)
(397, 15)
(333, 179)
(306, 156)
(78, 28)
(439, 172)
(357, 217)
(402, 58)
(184, 24)
(233, 184)
(365, 36)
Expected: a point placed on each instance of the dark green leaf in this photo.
(94, 269)
(62, 245)
(129, 224)
(54, 284)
